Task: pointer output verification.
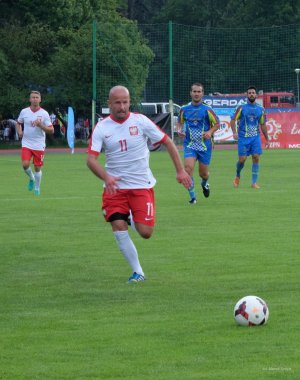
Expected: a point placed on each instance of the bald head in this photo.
(117, 90)
(119, 102)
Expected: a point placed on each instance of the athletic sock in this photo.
(38, 178)
(128, 250)
(255, 170)
(29, 172)
(204, 182)
(191, 190)
(239, 167)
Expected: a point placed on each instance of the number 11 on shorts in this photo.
(150, 209)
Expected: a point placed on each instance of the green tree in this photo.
(57, 14)
(259, 13)
(231, 13)
(204, 13)
(129, 57)
(25, 52)
(220, 43)
(48, 46)
(143, 11)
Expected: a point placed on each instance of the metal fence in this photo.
(224, 60)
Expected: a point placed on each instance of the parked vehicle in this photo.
(158, 108)
(278, 99)
(151, 108)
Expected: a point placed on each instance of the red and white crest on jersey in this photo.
(134, 130)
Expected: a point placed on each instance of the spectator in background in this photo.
(53, 118)
(86, 129)
(77, 130)
(13, 129)
(60, 120)
(6, 133)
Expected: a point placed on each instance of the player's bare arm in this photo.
(208, 134)
(111, 183)
(19, 130)
(181, 175)
(233, 128)
(264, 130)
(180, 130)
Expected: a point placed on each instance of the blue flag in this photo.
(70, 130)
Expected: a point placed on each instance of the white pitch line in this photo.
(44, 198)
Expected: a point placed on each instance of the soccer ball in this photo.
(251, 311)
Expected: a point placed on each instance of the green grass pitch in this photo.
(67, 312)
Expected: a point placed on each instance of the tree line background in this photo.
(48, 45)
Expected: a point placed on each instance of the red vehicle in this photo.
(278, 99)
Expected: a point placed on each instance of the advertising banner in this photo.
(283, 129)
(225, 101)
(224, 133)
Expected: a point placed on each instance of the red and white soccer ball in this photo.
(251, 311)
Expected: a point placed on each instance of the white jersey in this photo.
(34, 137)
(126, 149)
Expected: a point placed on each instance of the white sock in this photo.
(38, 178)
(129, 251)
(29, 173)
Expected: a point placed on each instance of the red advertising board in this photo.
(283, 129)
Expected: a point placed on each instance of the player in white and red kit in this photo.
(36, 123)
(128, 180)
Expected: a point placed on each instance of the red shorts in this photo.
(38, 156)
(140, 201)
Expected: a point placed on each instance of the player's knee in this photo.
(25, 165)
(144, 231)
(146, 235)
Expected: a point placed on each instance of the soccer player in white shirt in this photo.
(36, 123)
(128, 180)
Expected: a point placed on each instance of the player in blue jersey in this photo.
(245, 124)
(197, 123)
